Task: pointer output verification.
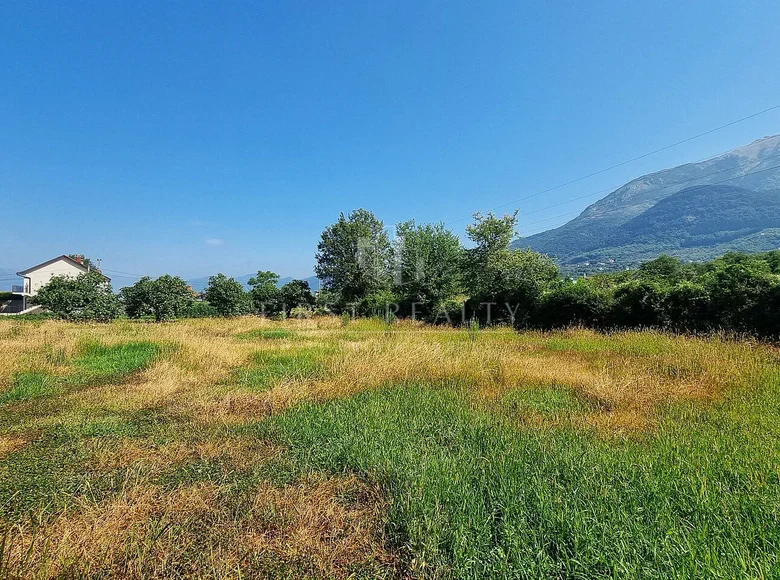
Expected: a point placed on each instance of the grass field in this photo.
(247, 448)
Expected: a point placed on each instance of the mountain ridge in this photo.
(601, 231)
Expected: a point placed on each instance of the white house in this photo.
(40, 275)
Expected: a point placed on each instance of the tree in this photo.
(491, 237)
(664, 269)
(85, 297)
(686, 307)
(512, 280)
(265, 293)
(296, 294)
(427, 261)
(135, 298)
(165, 298)
(226, 295)
(638, 303)
(571, 304)
(82, 259)
(354, 257)
(743, 294)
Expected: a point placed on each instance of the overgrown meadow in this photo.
(245, 448)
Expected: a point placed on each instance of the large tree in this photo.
(511, 280)
(226, 295)
(85, 297)
(264, 291)
(354, 257)
(427, 264)
(165, 298)
(296, 294)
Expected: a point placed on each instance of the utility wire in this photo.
(626, 162)
(645, 191)
(703, 184)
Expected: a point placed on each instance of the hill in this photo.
(735, 211)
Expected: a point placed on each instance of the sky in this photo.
(199, 137)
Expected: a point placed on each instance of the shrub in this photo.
(85, 297)
(301, 312)
(449, 311)
(687, 307)
(200, 309)
(637, 303)
(571, 304)
(227, 296)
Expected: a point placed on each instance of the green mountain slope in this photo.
(669, 212)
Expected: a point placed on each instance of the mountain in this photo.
(8, 278)
(695, 211)
(199, 284)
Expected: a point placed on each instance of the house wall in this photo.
(43, 275)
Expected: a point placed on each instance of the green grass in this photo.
(97, 362)
(49, 474)
(474, 490)
(30, 385)
(475, 497)
(550, 402)
(268, 369)
(267, 334)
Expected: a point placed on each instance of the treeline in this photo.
(90, 297)
(425, 273)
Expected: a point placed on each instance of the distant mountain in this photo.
(8, 278)
(695, 211)
(199, 284)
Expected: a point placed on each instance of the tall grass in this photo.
(313, 448)
(475, 497)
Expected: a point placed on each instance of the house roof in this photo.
(68, 259)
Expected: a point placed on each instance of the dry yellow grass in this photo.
(139, 532)
(9, 444)
(366, 355)
(325, 526)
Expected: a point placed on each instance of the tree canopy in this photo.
(165, 298)
(427, 265)
(296, 294)
(85, 297)
(226, 295)
(354, 257)
(264, 292)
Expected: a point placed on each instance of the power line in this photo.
(703, 184)
(626, 162)
(128, 273)
(700, 177)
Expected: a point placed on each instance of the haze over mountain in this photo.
(695, 211)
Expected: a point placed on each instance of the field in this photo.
(249, 448)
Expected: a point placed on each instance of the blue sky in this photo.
(193, 138)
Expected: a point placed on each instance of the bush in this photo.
(687, 307)
(449, 311)
(574, 303)
(200, 309)
(85, 297)
(301, 312)
(638, 303)
(381, 304)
